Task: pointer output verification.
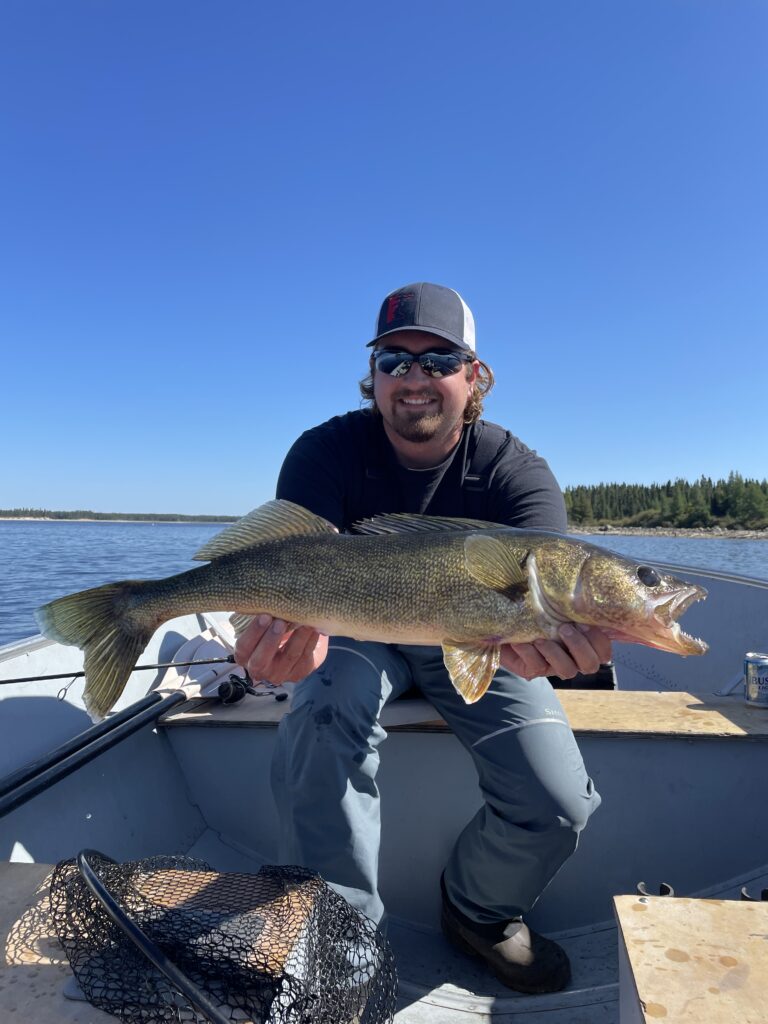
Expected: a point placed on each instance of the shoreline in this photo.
(697, 533)
(85, 519)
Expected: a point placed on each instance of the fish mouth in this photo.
(662, 630)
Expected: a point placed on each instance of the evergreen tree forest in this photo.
(733, 504)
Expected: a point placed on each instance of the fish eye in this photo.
(648, 576)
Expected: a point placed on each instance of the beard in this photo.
(417, 424)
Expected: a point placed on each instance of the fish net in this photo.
(276, 946)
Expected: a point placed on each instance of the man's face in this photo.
(417, 407)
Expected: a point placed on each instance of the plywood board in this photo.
(696, 961)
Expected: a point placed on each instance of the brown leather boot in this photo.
(519, 958)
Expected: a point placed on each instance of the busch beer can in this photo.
(756, 679)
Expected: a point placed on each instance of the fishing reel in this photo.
(232, 690)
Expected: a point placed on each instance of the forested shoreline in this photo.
(81, 514)
(737, 503)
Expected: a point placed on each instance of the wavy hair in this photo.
(474, 407)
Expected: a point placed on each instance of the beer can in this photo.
(756, 679)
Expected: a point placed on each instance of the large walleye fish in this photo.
(466, 585)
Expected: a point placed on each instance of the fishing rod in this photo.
(229, 660)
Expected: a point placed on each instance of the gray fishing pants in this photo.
(537, 793)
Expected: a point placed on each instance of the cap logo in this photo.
(394, 302)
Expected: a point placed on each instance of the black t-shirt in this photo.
(345, 470)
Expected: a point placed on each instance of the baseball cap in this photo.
(430, 308)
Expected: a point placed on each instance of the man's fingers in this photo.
(315, 653)
(559, 661)
(580, 649)
(294, 660)
(250, 638)
(524, 660)
(261, 658)
(599, 641)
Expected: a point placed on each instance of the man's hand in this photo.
(274, 650)
(580, 649)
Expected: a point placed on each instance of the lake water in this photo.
(43, 560)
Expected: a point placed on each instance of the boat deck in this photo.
(33, 968)
(437, 984)
(698, 959)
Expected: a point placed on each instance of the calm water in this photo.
(43, 560)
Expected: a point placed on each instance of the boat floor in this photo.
(437, 983)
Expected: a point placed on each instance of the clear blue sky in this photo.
(203, 204)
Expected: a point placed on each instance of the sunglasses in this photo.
(434, 364)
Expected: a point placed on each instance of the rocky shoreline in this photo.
(716, 532)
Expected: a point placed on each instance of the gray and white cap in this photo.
(430, 308)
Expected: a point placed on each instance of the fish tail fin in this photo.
(107, 623)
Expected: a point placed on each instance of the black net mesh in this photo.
(277, 946)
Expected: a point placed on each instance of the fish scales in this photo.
(413, 587)
(466, 585)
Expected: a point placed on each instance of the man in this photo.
(422, 448)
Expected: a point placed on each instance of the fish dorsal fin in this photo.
(405, 522)
(276, 520)
(471, 667)
(493, 563)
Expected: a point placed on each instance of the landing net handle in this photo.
(151, 951)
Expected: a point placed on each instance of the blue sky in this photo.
(203, 204)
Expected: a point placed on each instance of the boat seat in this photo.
(692, 960)
(33, 968)
(590, 712)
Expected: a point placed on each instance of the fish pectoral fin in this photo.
(493, 563)
(276, 520)
(471, 667)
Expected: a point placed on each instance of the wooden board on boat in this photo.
(590, 712)
(694, 960)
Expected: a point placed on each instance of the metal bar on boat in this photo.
(92, 743)
(82, 739)
(151, 951)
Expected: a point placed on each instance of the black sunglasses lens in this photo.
(394, 363)
(434, 364)
(440, 364)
